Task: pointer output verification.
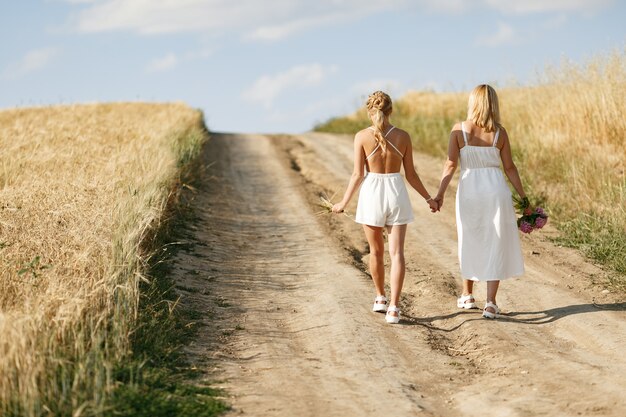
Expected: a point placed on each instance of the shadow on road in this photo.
(523, 317)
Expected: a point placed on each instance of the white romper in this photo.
(383, 198)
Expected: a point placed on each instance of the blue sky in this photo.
(284, 65)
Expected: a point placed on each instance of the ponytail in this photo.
(378, 117)
(379, 105)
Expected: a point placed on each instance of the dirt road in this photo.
(286, 302)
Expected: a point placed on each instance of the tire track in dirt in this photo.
(286, 299)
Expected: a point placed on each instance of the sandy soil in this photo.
(286, 303)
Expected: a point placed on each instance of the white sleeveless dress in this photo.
(489, 245)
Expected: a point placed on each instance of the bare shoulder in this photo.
(503, 136)
(402, 134)
(362, 134)
(457, 135)
(368, 131)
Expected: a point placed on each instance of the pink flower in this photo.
(525, 227)
(540, 211)
(540, 222)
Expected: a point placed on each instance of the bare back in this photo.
(397, 146)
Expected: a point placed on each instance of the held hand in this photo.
(439, 200)
(338, 208)
(434, 206)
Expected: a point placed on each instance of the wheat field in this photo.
(82, 190)
(567, 132)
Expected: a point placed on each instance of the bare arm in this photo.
(450, 166)
(509, 166)
(356, 178)
(414, 180)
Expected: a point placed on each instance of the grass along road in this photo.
(86, 192)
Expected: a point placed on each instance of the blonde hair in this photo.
(379, 106)
(483, 108)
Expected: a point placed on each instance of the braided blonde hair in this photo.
(379, 105)
(483, 108)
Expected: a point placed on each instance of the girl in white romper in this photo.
(380, 151)
(489, 246)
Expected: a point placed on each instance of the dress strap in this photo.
(396, 149)
(373, 152)
(392, 145)
(495, 139)
(464, 134)
(378, 146)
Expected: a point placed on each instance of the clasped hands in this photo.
(436, 204)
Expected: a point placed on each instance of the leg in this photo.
(466, 300)
(375, 239)
(468, 287)
(396, 235)
(492, 289)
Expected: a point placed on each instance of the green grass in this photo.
(343, 125)
(156, 381)
(601, 239)
(430, 134)
(158, 393)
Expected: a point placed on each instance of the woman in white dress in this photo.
(488, 239)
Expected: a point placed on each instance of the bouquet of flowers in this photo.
(531, 219)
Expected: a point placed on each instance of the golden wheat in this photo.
(81, 186)
(567, 133)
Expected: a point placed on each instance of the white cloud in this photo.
(165, 63)
(282, 30)
(266, 88)
(446, 6)
(32, 61)
(541, 6)
(309, 15)
(71, 1)
(266, 20)
(271, 20)
(504, 35)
